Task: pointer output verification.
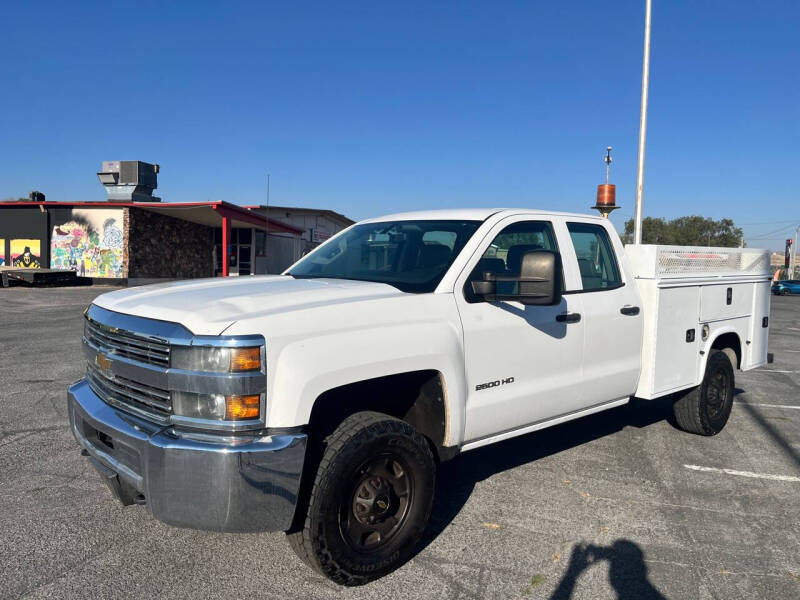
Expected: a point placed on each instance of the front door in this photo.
(523, 363)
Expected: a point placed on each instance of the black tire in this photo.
(785, 292)
(705, 409)
(381, 468)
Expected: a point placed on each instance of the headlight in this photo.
(245, 362)
(198, 406)
(216, 406)
(216, 359)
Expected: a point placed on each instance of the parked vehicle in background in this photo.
(786, 287)
(319, 402)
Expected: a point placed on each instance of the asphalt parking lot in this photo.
(618, 504)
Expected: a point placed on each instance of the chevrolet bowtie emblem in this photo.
(103, 362)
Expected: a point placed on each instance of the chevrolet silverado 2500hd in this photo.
(319, 401)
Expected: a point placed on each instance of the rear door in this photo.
(612, 313)
(523, 363)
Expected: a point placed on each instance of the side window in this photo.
(504, 254)
(596, 259)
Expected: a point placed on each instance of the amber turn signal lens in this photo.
(242, 407)
(245, 359)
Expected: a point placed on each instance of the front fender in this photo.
(305, 369)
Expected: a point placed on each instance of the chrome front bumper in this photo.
(220, 484)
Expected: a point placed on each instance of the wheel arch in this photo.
(730, 343)
(417, 397)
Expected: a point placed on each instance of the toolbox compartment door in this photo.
(725, 301)
(676, 359)
(756, 353)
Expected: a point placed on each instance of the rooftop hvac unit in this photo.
(129, 180)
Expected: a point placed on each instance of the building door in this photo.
(240, 257)
(244, 254)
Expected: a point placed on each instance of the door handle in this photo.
(568, 317)
(629, 310)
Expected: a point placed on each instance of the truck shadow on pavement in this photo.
(769, 429)
(457, 478)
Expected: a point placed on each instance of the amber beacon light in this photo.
(606, 192)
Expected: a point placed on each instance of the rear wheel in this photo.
(785, 292)
(705, 409)
(370, 501)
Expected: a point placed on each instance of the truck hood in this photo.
(210, 306)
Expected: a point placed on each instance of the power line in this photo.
(769, 222)
(765, 235)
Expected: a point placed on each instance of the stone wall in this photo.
(166, 247)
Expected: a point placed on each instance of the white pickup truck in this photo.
(320, 401)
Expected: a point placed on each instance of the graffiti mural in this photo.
(90, 243)
(2, 252)
(25, 254)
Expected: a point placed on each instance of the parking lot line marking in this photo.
(737, 513)
(744, 473)
(771, 405)
(773, 371)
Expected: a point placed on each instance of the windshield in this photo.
(413, 256)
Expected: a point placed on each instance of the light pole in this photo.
(637, 223)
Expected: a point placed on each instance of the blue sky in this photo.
(376, 107)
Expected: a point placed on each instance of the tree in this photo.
(687, 231)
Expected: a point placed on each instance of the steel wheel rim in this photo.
(717, 393)
(377, 502)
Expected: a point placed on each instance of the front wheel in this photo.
(370, 501)
(785, 292)
(705, 409)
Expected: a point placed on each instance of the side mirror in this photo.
(538, 282)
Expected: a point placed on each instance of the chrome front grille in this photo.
(129, 367)
(149, 401)
(130, 345)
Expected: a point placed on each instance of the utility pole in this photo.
(637, 223)
(793, 261)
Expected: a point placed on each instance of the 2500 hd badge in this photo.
(491, 384)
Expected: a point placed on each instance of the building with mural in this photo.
(133, 237)
(137, 242)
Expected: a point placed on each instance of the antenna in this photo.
(608, 160)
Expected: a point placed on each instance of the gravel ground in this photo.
(603, 507)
